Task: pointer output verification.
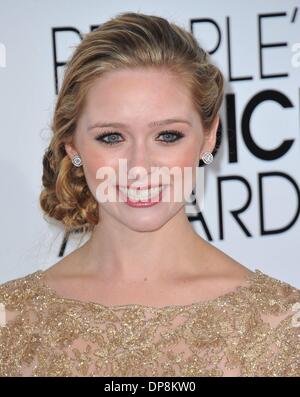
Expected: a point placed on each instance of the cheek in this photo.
(95, 161)
(184, 157)
(183, 152)
(185, 161)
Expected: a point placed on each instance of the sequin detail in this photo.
(252, 331)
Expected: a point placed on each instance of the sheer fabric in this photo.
(252, 331)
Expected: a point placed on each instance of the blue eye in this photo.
(172, 136)
(101, 138)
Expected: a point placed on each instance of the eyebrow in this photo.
(156, 123)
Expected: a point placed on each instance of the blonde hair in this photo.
(126, 41)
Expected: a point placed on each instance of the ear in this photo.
(71, 151)
(210, 137)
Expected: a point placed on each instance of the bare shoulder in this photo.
(222, 264)
(218, 272)
(65, 276)
(67, 267)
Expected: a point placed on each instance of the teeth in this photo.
(145, 194)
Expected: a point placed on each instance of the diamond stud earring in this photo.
(207, 158)
(76, 160)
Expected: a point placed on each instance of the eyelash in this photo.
(178, 135)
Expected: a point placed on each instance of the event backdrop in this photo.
(252, 198)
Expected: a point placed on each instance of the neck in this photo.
(120, 253)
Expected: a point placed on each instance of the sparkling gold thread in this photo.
(247, 332)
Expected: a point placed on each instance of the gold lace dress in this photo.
(252, 331)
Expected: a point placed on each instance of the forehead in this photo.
(138, 91)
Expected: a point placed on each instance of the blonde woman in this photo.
(145, 295)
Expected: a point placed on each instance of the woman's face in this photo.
(136, 98)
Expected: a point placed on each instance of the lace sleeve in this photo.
(284, 345)
(17, 342)
(276, 350)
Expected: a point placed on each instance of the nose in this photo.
(139, 156)
(139, 162)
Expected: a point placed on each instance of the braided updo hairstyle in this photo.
(126, 41)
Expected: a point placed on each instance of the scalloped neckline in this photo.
(39, 276)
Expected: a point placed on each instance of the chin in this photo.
(142, 221)
(145, 226)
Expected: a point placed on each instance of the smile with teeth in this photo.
(138, 195)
